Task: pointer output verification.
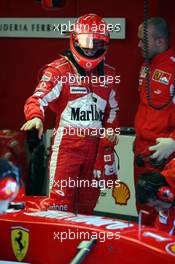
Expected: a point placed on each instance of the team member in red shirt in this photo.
(157, 190)
(155, 117)
(83, 106)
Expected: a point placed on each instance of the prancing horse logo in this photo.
(20, 241)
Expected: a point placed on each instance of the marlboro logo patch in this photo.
(161, 76)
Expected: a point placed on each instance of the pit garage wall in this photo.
(22, 58)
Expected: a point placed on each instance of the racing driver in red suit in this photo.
(83, 107)
(155, 118)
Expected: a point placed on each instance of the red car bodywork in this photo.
(53, 236)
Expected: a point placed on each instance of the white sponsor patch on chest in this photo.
(161, 76)
(143, 72)
(157, 91)
(78, 89)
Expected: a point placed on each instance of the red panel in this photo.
(53, 238)
(21, 60)
(167, 11)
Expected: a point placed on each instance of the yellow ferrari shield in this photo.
(20, 241)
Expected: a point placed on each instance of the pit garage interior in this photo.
(24, 51)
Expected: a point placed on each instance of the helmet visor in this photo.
(90, 45)
(91, 41)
